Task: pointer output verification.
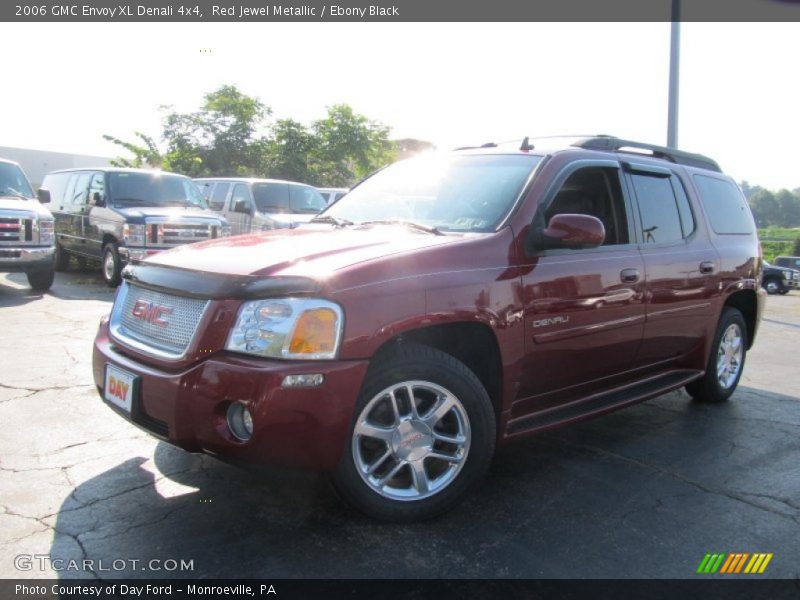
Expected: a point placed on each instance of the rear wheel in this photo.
(726, 361)
(423, 434)
(111, 265)
(41, 280)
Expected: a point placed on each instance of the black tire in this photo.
(422, 365)
(61, 259)
(709, 388)
(111, 267)
(784, 291)
(773, 285)
(41, 280)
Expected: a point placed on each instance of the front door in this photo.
(584, 309)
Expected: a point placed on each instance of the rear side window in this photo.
(217, 199)
(658, 209)
(725, 205)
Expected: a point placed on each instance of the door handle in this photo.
(706, 267)
(629, 275)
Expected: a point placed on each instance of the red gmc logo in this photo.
(150, 312)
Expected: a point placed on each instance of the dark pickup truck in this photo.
(118, 215)
(779, 280)
(443, 306)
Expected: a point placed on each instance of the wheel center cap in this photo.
(412, 440)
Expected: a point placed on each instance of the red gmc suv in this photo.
(444, 305)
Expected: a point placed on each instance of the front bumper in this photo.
(23, 258)
(294, 427)
(129, 254)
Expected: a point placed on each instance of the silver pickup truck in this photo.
(27, 241)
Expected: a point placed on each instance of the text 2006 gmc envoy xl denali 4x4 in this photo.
(444, 305)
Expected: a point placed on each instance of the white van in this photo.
(259, 204)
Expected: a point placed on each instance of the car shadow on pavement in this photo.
(79, 283)
(642, 492)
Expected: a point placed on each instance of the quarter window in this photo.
(727, 209)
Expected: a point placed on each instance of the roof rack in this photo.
(614, 144)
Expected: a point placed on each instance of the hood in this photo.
(313, 251)
(176, 212)
(20, 204)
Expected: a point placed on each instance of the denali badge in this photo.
(551, 321)
(150, 312)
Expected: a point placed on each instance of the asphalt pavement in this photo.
(643, 492)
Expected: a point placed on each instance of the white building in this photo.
(38, 163)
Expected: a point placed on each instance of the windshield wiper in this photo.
(409, 224)
(331, 219)
(13, 192)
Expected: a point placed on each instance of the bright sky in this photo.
(448, 83)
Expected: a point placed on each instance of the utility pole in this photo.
(674, 75)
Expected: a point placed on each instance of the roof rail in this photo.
(614, 144)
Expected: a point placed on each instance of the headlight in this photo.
(308, 328)
(46, 232)
(787, 274)
(133, 235)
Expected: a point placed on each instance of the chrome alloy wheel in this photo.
(411, 440)
(729, 356)
(109, 266)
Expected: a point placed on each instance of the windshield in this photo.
(13, 181)
(279, 197)
(154, 189)
(461, 193)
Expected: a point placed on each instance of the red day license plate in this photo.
(119, 387)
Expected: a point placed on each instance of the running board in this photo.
(604, 402)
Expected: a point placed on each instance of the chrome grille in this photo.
(166, 233)
(14, 230)
(167, 335)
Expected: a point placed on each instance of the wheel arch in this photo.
(473, 343)
(746, 302)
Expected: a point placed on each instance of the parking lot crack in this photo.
(738, 497)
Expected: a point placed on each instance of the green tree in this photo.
(145, 154)
(788, 209)
(222, 138)
(765, 208)
(289, 151)
(348, 146)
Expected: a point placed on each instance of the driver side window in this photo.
(594, 191)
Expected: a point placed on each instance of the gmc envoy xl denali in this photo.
(115, 215)
(444, 305)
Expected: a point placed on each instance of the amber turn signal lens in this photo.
(315, 332)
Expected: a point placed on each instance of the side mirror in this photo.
(43, 195)
(242, 206)
(98, 200)
(568, 231)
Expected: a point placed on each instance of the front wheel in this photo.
(423, 434)
(726, 361)
(41, 280)
(111, 265)
(773, 285)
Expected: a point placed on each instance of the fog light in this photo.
(240, 421)
(310, 380)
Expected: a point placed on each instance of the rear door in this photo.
(681, 265)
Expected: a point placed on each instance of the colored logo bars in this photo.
(734, 562)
